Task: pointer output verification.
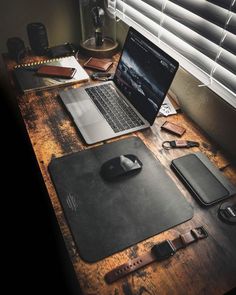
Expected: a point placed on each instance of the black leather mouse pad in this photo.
(107, 217)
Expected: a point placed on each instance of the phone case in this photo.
(56, 71)
(202, 178)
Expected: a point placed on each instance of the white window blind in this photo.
(200, 34)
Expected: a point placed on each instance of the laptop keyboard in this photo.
(119, 115)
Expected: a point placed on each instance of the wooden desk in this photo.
(206, 267)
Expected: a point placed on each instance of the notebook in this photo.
(28, 80)
(131, 101)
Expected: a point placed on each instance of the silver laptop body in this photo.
(134, 82)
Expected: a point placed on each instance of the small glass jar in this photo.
(98, 25)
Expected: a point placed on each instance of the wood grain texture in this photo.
(206, 267)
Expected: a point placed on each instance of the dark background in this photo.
(34, 255)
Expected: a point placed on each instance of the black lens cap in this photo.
(227, 212)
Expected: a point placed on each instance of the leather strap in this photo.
(178, 243)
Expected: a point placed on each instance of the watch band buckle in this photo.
(199, 232)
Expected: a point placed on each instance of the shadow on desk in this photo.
(36, 258)
(232, 292)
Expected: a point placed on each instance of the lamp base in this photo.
(108, 48)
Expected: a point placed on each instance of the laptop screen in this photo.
(144, 74)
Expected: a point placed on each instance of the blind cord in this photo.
(163, 7)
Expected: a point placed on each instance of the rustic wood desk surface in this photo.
(206, 267)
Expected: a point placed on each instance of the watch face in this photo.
(163, 250)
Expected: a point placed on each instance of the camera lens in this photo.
(38, 39)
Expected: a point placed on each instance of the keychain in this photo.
(102, 76)
(179, 144)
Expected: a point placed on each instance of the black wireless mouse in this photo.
(124, 165)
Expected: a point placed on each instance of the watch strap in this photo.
(180, 242)
(129, 267)
(190, 237)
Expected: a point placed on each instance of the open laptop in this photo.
(131, 101)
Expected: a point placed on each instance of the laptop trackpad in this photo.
(85, 113)
(82, 109)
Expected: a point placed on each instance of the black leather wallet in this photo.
(202, 178)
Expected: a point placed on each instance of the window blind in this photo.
(200, 34)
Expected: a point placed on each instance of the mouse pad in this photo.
(107, 217)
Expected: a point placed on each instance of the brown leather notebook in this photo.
(98, 64)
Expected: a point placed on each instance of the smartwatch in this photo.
(163, 250)
(159, 252)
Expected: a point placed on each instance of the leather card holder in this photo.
(98, 64)
(173, 128)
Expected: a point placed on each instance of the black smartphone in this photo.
(56, 71)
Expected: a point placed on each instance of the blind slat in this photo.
(224, 3)
(226, 78)
(229, 43)
(209, 11)
(228, 61)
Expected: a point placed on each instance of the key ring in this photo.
(167, 145)
(179, 144)
(100, 76)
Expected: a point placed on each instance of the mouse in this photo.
(121, 166)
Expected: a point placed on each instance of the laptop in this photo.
(131, 101)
